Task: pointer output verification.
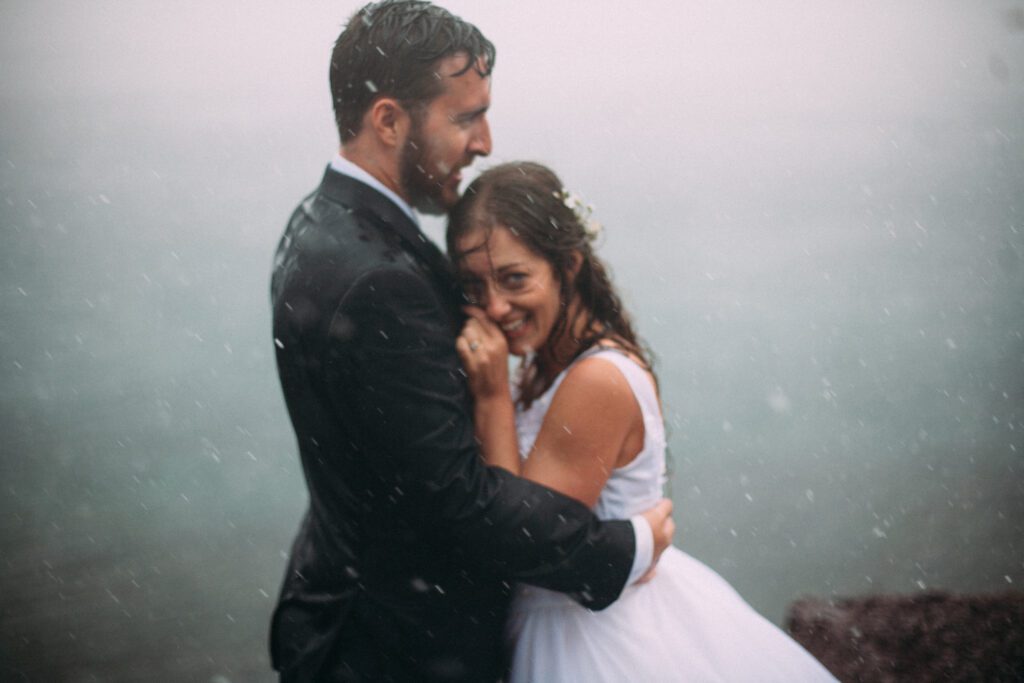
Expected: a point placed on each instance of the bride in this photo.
(583, 417)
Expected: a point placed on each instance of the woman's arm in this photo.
(494, 422)
(593, 420)
(594, 424)
(484, 354)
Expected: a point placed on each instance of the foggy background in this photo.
(813, 208)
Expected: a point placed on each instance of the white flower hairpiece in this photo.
(591, 228)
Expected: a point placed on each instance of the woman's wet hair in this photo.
(529, 200)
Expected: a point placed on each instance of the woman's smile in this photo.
(513, 329)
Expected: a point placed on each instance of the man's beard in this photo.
(425, 194)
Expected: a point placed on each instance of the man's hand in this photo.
(659, 518)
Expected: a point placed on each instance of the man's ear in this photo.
(389, 121)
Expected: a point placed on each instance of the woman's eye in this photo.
(514, 281)
(471, 291)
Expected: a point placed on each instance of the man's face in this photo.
(445, 137)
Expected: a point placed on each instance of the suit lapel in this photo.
(381, 211)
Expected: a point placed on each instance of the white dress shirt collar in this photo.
(347, 168)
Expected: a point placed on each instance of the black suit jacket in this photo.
(402, 565)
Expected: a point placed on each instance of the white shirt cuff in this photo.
(644, 548)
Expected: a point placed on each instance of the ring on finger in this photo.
(474, 345)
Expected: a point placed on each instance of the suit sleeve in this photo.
(395, 366)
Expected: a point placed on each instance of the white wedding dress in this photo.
(685, 624)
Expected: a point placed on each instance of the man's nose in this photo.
(480, 145)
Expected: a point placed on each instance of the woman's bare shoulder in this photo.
(597, 385)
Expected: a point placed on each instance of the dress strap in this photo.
(640, 381)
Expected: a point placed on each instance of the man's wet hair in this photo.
(391, 49)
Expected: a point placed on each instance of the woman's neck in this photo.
(556, 357)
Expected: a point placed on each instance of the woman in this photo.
(585, 415)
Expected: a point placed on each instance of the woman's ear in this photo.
(575, 263)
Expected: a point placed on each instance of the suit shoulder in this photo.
(325, 239)
(393, 286)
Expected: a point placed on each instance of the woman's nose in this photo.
(497, 305)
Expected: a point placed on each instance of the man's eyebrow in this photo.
(470, 115)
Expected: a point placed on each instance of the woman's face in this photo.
(515, 286)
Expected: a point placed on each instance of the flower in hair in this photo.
(591, 227)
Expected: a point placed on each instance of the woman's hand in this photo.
(484, 353)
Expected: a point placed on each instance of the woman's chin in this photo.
(518, 348)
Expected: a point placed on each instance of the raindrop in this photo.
(779, 402)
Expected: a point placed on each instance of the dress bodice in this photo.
(636, 486)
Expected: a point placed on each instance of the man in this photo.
(401, 569)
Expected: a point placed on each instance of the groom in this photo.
(402, 566)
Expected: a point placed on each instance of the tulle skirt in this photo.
(686, 624)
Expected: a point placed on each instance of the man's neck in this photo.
(343, 163)
(384, 170)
